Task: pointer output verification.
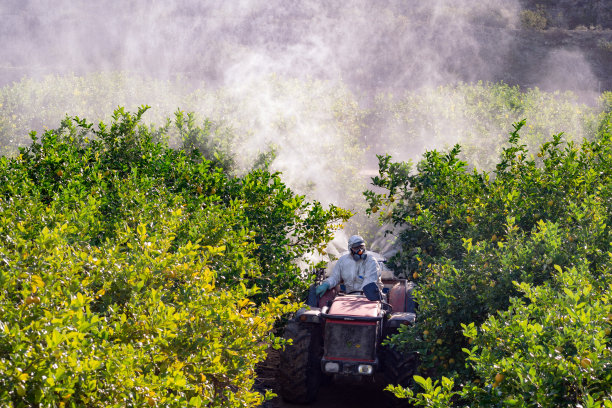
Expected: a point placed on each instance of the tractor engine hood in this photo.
(354, 308)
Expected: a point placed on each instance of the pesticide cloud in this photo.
(386, 44)
(293, 77)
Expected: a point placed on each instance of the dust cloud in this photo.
(293, 77)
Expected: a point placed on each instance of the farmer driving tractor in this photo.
(358, 271)
(341, 335)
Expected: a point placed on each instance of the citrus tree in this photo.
(476, 116)
(136, 274)
(479, 243)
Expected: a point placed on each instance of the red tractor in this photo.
(341, 334)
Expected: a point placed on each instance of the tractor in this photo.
(340, 335)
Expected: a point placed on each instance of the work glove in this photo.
(322, 288)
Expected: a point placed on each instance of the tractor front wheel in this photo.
(300, 364)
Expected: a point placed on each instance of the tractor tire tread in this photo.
(400, 367)
(299, 373)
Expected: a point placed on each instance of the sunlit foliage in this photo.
(135, 274)
(513, 270)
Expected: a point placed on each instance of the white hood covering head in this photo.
(355, 273)
(355, 240)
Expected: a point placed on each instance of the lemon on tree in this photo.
(499, 377)
(585, 362)
(32, 300)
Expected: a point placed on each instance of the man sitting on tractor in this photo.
(358, 271)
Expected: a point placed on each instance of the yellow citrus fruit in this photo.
(415, 275)
(199, 189)
(585, 362)
(469, 219)
(550, 203)
(426, 333)
(439, 342)
(448, 222)
(473, 287)
(59, 173)
(32, 300)
(374, 209)
(392, 199)
(494, 238)
(499, 378)
(451, 361)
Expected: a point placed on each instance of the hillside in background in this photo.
(554, 29)
(371, 47)
(573, 14)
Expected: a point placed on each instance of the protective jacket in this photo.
(355, 274)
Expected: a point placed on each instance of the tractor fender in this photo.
(308, 315)
(395, 320)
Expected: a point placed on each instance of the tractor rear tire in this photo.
(400, 367)
(300, 364)
(399, 370)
